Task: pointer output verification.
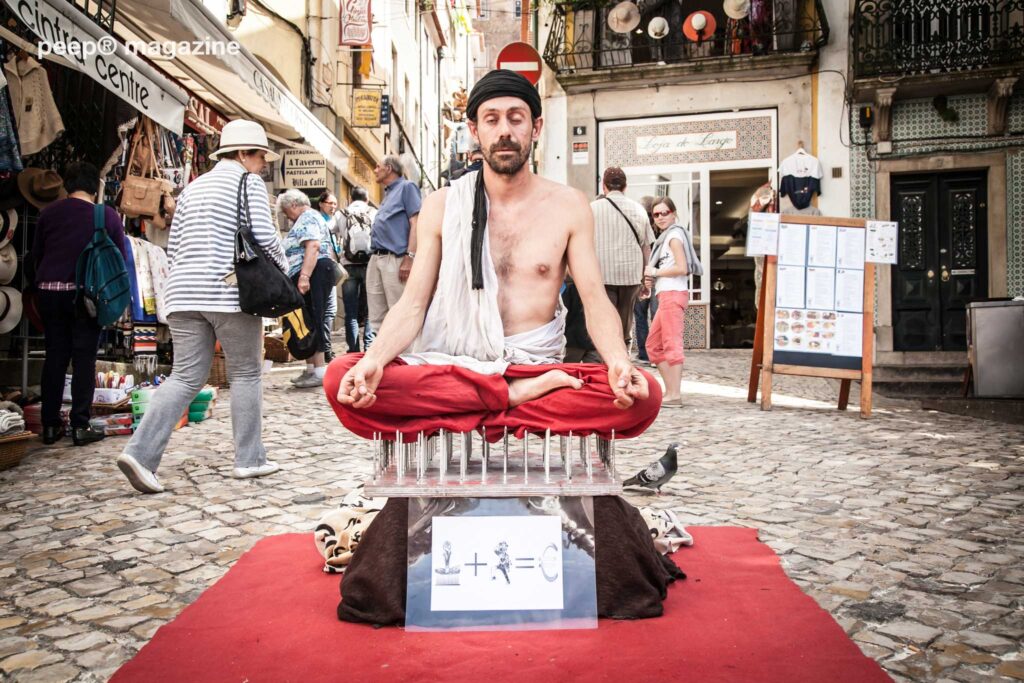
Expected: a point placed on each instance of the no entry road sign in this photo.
(521, 58)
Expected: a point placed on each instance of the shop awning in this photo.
(237, 84)
(63, 29)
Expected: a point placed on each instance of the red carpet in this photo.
(736, 618)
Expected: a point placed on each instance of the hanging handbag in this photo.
(263, 289)
(142, 194)
(299, 334)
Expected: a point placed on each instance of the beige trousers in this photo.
(383, 288)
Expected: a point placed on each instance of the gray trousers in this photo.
(194, 334)
(383, 288)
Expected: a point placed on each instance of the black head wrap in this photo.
(502, 83)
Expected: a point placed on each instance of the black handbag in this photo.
(263, 289)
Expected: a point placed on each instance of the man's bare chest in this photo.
(527, 247)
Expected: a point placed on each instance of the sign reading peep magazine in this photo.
(501, 563)
(63, 30)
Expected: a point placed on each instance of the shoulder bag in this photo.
(263, 289)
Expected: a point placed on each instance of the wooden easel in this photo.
(762, 366)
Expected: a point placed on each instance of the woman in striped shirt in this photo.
(202, 308)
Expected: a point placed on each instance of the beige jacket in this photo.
(39, 122)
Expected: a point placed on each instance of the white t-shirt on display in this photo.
(677, 283)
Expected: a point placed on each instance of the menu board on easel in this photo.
(815, 315)
(819, 296)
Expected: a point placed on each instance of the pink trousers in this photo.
(665, 340)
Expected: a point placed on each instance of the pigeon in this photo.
(657, 474)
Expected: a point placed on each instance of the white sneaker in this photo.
(309, 381)
(269, 467)
(142, 479)
(305, 374)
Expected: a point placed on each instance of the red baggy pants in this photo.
(424, 398)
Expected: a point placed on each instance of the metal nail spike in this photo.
(590, 459)
(464, 449)
(504, 455)
(485, 454)
(442, 462)
(399, 456)
(547, 456)
(526, 456)
(421, 449)
(449, 438)
(567, 456)
(611, 456)
(374, 461)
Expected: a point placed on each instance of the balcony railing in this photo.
(908, 37)
(581, 39)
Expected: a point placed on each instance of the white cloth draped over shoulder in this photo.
(463, 325)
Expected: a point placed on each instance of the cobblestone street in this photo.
(905, 527)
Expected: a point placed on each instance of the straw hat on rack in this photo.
(41, 186)
(736, 9)
(10, 309)
(700, 26)
(658, 28)
(8, 264)
(8, 225)
(624, 17)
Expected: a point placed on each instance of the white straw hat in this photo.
(736, 9)
(10, 309)
(658, 28)
(241, 135)
(8, 264)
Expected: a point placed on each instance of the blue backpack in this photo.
(101, 276)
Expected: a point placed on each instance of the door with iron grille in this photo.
(942, 258)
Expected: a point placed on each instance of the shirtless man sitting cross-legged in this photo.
(476, 340)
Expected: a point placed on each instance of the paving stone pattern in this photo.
(905, 527)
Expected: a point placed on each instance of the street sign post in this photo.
(521, 58)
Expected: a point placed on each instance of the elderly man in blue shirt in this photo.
(394, 240)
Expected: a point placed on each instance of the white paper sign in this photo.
(789, 292)
(821, 246)
(849, 339)
(763, 234)
(850, 248)
(849, 290)
(792, 244)
(881, 241)
(496, 563)
(821, 288)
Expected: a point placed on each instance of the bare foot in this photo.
(528, 388)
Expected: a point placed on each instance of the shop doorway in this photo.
(943, 254)
(731, 272)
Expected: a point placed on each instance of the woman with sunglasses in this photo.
(667, 276)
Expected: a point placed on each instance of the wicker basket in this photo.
(275, 349)
(12, 448)
(218, 371)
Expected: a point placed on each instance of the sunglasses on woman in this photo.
(659, 214)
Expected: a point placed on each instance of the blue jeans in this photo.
(641, 309)
(353, 294)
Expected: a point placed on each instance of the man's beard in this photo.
(504, 165)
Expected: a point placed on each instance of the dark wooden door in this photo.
(942, 258)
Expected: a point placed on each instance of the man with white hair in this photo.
(394, 240)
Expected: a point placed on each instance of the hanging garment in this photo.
(35, 112)
(800, 190)
(159, 269)
(10, 154)
(800, 164)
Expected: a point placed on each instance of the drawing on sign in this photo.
(504, 564)
(447, 575)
